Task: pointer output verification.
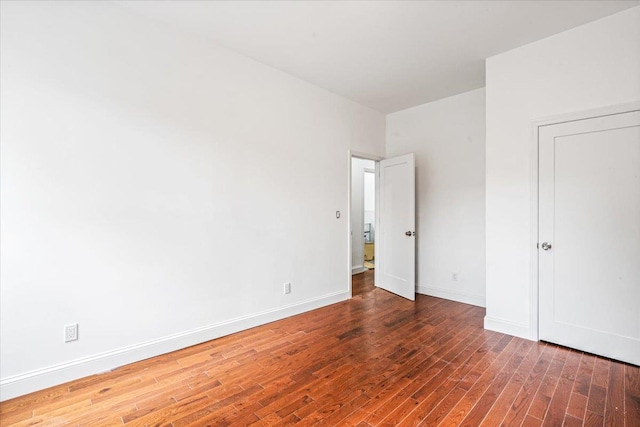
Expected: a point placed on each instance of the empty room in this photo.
(341, 213)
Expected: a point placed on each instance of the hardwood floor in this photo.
(362, 283)
(373, 360)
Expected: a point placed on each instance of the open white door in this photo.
(395, 247)
(589, 225)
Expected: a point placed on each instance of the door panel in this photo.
(590, 214)
(396, 265)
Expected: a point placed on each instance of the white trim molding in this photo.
(463, 297)
(357, 269)
(507, 327)
(39, 379)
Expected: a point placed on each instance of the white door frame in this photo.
(359, 155)
(535, 163)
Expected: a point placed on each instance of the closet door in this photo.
(589, 235)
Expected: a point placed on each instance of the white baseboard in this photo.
(507, 327)
(462, 297)
(39, 379)
(358, 269)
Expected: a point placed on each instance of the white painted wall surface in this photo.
(357, 212)
(448, 139)
(588, 67)
(370, 197)
(134, 158)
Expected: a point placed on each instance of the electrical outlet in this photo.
(287, 288)
(71, 332)
(454, 277)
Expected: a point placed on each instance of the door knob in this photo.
(409, 233)
(546, 246)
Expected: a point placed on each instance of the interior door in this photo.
(395, 247)
(589, 235)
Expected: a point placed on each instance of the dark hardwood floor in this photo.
(376, 359)
(362, 283)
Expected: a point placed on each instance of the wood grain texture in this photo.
(375, 360)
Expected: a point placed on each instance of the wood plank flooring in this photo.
(375, 360)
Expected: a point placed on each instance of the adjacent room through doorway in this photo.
(363, 224)
(369, 218)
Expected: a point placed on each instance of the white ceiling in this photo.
(388, 55)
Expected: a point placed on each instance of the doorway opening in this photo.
(362, 224)
(363, 228)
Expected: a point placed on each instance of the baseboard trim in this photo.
(507, 327)
(358, 269)
(462, 297)
(39, 379)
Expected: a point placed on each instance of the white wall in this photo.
(134, 158)
(448, 139)
(370, 198)
(588, 67)
(357, 212)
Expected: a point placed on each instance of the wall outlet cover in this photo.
(71, 332)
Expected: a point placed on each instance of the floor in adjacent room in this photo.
(376, 359)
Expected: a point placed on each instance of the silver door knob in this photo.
(546, 246)
(409, 233)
